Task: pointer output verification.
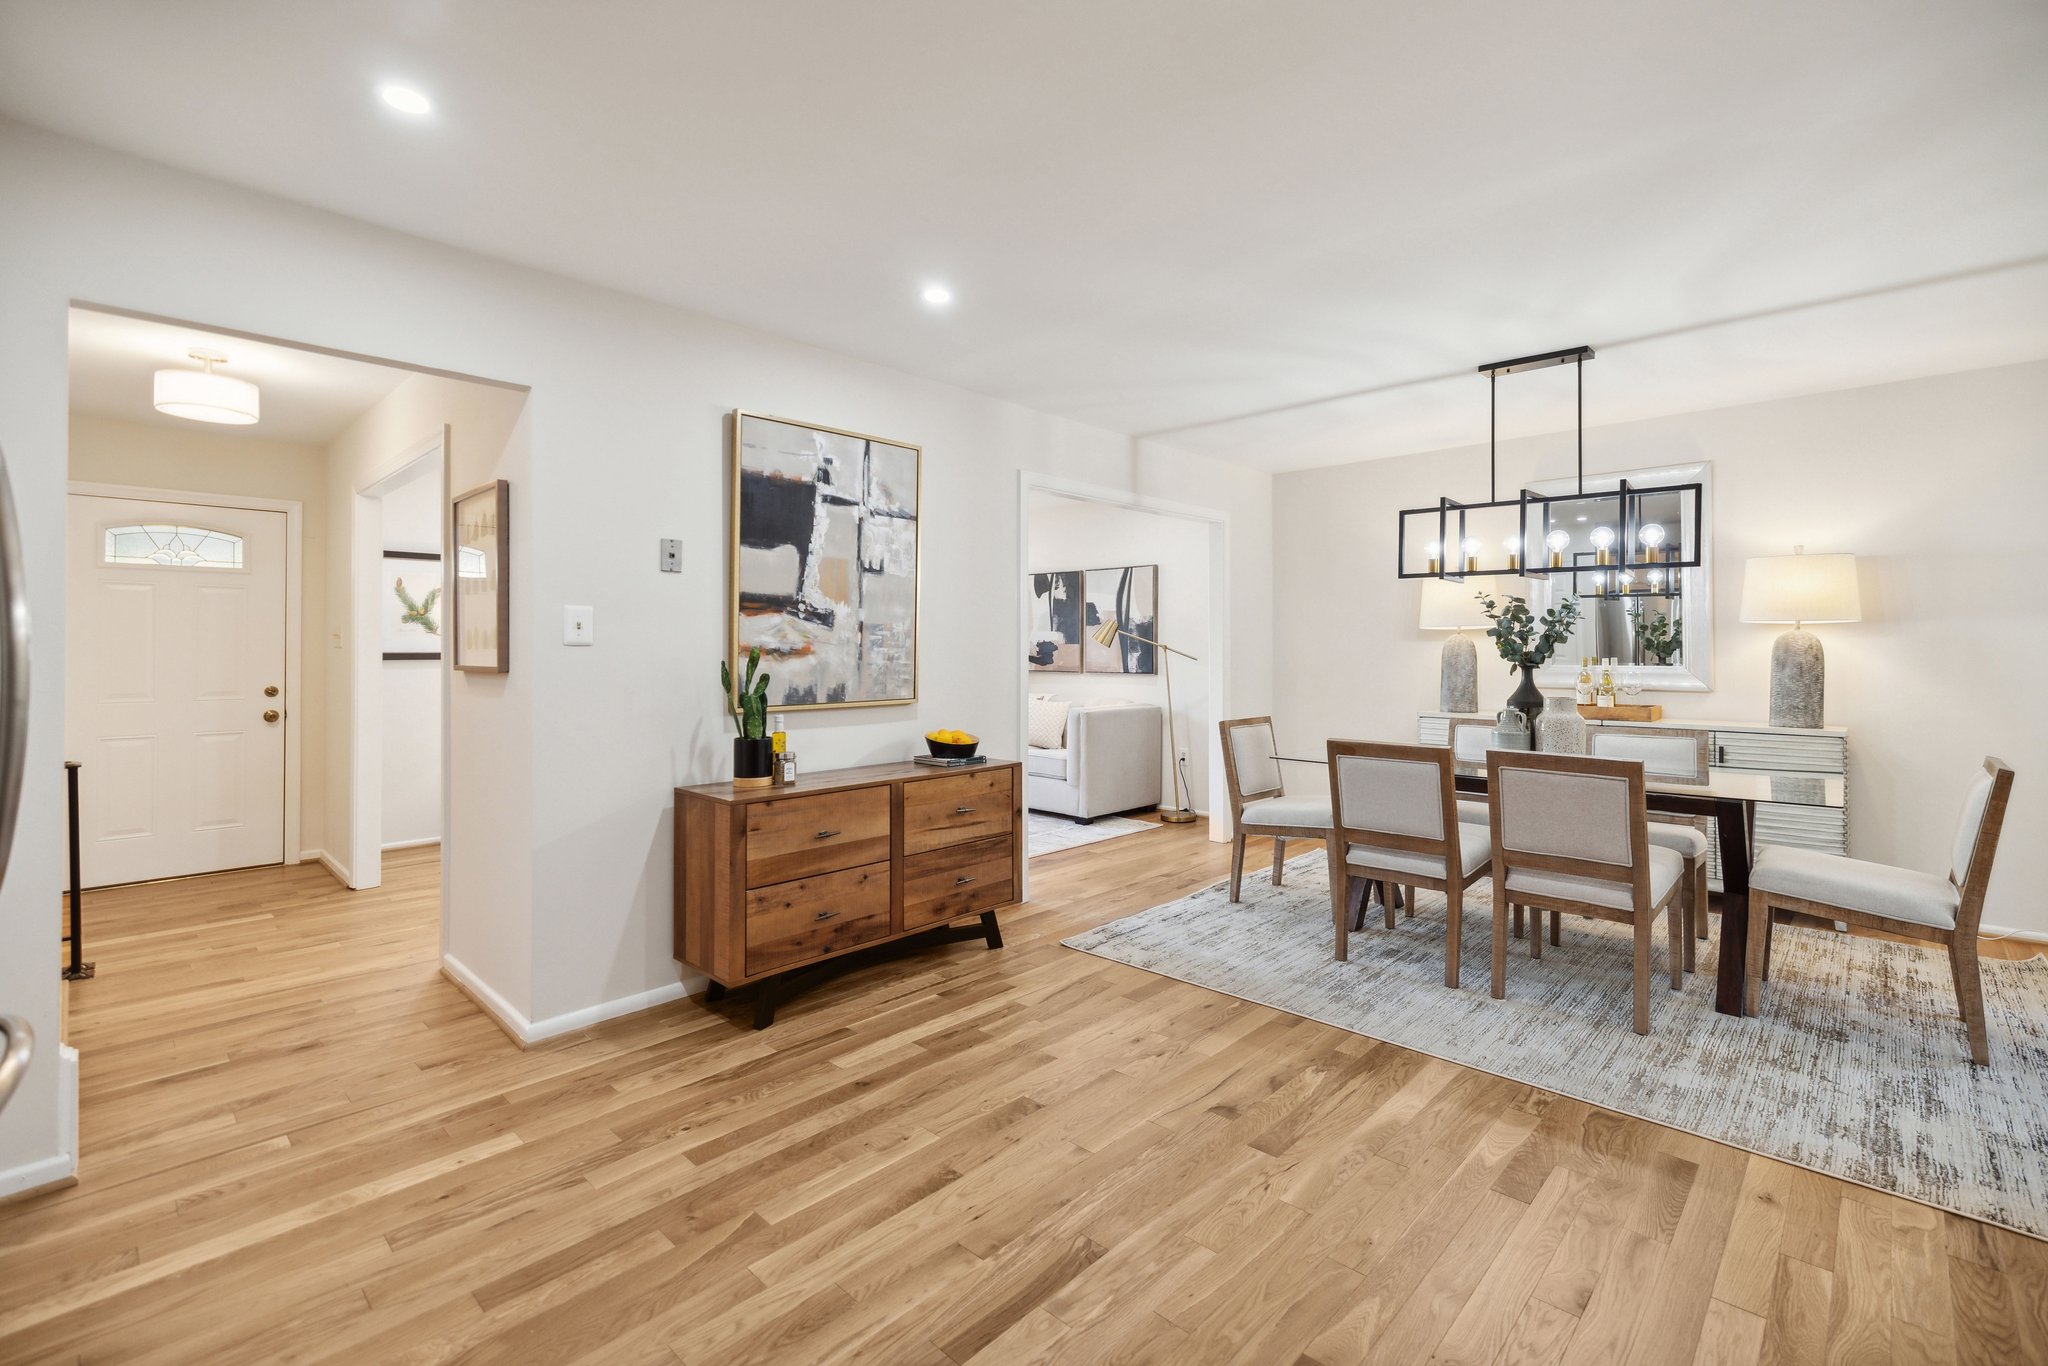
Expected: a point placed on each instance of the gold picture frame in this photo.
(480, 603)
(791, 582)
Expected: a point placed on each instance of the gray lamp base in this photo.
(1459, 689)
(1798, 681)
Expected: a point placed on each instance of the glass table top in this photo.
(1734, 784)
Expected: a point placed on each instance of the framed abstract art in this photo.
(825, 562)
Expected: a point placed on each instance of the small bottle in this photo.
(1606, 694)
(780, 739)
(1583, 692)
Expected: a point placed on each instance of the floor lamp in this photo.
(1105, 635)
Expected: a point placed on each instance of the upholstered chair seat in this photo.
(1684, 840)
(1666, 867)
(1398, 827)
(1475, 847)
(1944, 909)
(1852, 883)
(1295, 811)
(1473, 811)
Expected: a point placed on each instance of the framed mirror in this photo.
(1658, 624)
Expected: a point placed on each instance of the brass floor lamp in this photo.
(1106, 634)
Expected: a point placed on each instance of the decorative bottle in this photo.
(1606, 693)
(1583, 693)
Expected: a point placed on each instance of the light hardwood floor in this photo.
(301, 1144)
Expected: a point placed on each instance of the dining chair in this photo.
(1924, 906)
(1396, 823)
(1259, 804)
(1571, 836)
(1672, 755)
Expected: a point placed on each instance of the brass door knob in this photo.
(270, 691)
(271, 714)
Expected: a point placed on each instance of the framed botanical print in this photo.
(825, 562)
(411, 608)
(480, 615)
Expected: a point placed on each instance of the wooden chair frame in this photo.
(1635, 875)
(1279, 834)
(1351, 884)
(1961, 942)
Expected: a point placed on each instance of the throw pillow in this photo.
(1048, 723)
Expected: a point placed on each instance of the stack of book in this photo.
(934, 761)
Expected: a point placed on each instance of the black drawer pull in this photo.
(825, 834)
(963, 810)
(826, 915)
(962, 881)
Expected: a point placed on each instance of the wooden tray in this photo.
(1622, 711)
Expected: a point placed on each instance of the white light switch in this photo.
(579, 625)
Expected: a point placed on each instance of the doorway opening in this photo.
(1123, 661)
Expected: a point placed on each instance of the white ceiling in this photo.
(306, 396)
(1158, 214)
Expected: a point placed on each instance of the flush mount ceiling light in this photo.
(938, 296)
(203, 396)
(1639, 535)
(405, 100)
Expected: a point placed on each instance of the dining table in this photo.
(1731, 797)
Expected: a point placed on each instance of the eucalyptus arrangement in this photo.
(1527, 641)
(1659, 635)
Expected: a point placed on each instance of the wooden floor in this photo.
(301, 1144)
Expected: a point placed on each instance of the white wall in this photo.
(562, 777)
(217, 460)
(409, 700)
(1072, 533)
(1937, 485)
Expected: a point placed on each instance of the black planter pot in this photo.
(753, 762)
(1527, 698)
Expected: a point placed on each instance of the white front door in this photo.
(175, 698)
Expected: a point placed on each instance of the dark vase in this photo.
(1527, 698)
(753, 761)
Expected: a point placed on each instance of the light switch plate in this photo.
(579, 625)
(671, 555)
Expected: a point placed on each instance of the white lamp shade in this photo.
(206, 397)
(1801, 588)
(1448, 606)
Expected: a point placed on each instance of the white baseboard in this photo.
(62, 1165)
(412, 844)
(525, 1031)
(327, 861)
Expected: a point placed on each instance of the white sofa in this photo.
(1109, 763)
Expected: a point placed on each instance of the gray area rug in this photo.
(1856, 1067)
(1048, 834)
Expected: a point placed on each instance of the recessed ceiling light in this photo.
(405, 99)
(938, 296)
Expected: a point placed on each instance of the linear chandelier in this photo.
(1624, 542)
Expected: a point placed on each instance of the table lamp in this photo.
(1802, 590)
(1449, 606)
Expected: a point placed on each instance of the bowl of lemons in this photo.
(952, 744)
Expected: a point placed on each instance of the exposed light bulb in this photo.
(1434, 549)
(1558, 539)
(1653, 535)
(1603, 537)
(1471, 545)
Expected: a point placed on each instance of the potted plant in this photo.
(1660, 636)
(1527, 642)
(753, 753)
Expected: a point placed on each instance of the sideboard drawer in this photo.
(796, 836)
(957, 880)
(793, 922)
(957, 809)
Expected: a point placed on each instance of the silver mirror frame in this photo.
(1696, 674)
(13, 669)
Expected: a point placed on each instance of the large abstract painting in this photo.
(1129, 596)
(824, 562)
(1056, 608)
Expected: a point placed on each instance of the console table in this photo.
(772, 883)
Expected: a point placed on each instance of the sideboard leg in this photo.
(764, 1006)
(714, 991)
(990, 930)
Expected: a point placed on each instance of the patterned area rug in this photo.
(1856, 1067)
(1048, 834)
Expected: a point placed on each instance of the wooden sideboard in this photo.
(1752, 746)
(771, 881)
